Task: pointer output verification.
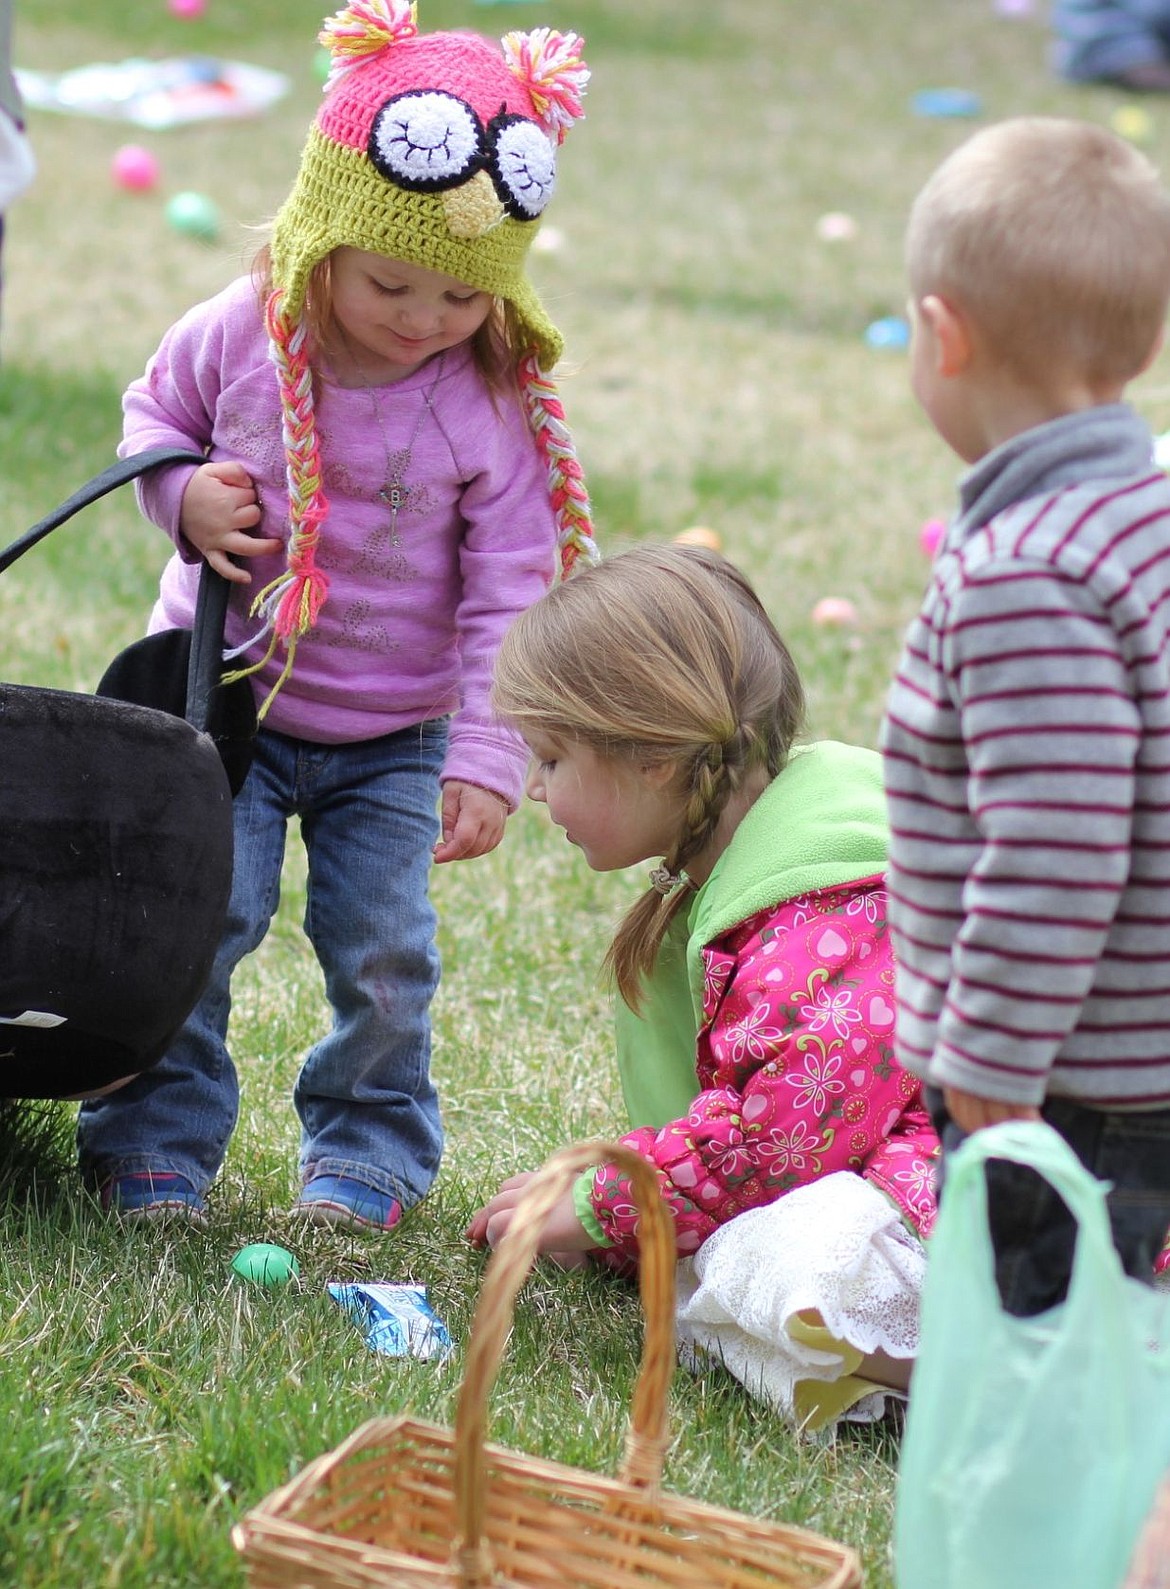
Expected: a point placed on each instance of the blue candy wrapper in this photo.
(397, 1320)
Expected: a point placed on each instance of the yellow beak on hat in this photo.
(473, 209)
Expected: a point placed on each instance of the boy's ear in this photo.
(950, 333)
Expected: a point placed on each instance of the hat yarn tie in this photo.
(290, 604)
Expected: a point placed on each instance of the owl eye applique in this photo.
(523, 166)
(429, 142)
(426, 141)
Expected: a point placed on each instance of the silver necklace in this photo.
(394, 492)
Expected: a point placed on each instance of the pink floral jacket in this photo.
(796, 1073)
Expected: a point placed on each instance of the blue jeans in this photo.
(368, 815)
(1033, 1233)
(1096, 39)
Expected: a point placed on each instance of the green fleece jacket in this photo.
(821, 823)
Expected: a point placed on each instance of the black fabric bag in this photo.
(115, 842)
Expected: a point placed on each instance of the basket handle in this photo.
(118, 474)
(646, 1436)
(205, 666)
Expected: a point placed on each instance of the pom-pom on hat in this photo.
(438, 149)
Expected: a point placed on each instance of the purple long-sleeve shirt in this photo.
(417, 605)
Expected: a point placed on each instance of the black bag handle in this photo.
(118, 474)
(206, 664)
(214, 590)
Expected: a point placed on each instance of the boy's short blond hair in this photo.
(1053, 237)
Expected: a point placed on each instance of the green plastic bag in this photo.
(1033, 1447)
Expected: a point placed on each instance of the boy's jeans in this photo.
(1099, 38)
(364, 1096)
(1032, 1231)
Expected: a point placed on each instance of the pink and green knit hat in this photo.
(439, 149)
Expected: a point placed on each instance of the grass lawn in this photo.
(717, 372)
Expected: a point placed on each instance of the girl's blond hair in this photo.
(660, 655)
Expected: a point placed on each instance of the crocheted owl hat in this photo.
(439, 150)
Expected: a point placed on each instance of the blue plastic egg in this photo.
(890, 332)
(946, 102)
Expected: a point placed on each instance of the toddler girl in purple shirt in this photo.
(388, 480)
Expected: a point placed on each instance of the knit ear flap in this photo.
(549, 65)
(362, 28)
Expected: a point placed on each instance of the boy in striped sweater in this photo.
(1027, 735)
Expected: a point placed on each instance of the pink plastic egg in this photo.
(834, 610)
(187, 9)
(135, 168)
(931, 534)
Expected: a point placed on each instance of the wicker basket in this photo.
(404, 1504)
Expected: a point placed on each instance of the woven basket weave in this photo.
(404, 1504)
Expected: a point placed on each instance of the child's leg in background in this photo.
(367, 1107)
(1033, 1232)
(1100, 38)
(176, 1118)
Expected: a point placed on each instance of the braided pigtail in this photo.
(716, 772)
(566, 484)
(290, 603)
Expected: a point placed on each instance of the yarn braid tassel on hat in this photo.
(290, 603)
(566, 483)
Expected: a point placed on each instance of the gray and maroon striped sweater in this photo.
(1026, 752)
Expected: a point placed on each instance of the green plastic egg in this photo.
(265, 1264)
(194, 214)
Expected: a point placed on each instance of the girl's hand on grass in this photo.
(220, 506)
(971, 1113)
(564, 1239)
(473, 822)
